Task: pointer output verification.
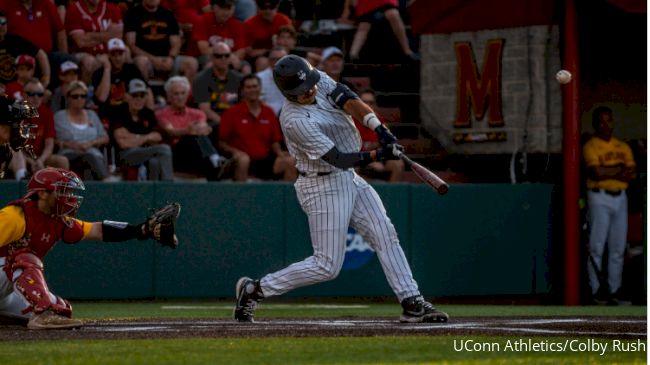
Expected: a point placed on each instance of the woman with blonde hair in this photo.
(80, 134)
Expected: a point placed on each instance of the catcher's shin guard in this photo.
(32, 286)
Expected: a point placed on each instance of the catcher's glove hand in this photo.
(161, 224)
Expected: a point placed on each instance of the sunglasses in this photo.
(77, 96)
(138, 95)
(35, 93)
(221, 55)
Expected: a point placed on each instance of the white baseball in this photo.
(563, 76)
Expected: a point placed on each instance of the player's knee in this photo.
(327, 270)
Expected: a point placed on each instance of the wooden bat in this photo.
(423, 173)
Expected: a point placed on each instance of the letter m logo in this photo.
(481, 91)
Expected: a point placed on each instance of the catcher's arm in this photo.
(159, 226)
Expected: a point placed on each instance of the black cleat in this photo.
(248, 294)
(417, 310)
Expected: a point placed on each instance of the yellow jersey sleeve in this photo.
(12, 224)
(85, 226)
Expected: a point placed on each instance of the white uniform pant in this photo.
(607, 224)
(12, 303)
(332, 203)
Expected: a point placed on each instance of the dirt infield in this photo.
(607, 327)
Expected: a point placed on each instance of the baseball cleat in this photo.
(49, 320)
(417, 310)
(248, 294)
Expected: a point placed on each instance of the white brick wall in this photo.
(531, 97)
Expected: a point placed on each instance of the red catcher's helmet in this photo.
(65, 184)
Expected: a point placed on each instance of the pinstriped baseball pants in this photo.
(332, 203)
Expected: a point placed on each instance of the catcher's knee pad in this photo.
(32, 286)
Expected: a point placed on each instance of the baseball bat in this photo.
(423, 173)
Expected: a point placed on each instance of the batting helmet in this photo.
(16, 111)
(65, 184)
(294, 76)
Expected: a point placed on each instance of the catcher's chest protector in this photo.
(42, 232)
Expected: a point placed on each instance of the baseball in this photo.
(563, 76)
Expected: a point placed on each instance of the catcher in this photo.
(32, 225)
(15, 132)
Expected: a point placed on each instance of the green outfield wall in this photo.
(488, 239)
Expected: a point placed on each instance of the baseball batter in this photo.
(321, 135)
(610, 166)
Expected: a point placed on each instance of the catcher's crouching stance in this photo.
(32, 225)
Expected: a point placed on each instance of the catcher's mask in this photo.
(294, 76)
(66, 185)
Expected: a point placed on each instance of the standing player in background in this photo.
(321, 136)
(32, 225)
(610, 167)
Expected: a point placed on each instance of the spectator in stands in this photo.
(245, 9)
(112, 78)
(90, 24)
(260, 30)
(12, 46)
(250, 132)
(394, 169)
(68, 73)
(215, 88)
(135, 129)
(37, 21)
(220, 26)
(187, 13)
(80, 135)
(187, 131)
(332, 64)
(287, 37)
(153, 36)
(271, 95)
(25, 65)
(366, 14)
(610, 167)
(45, 133)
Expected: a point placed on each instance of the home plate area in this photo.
(615, 327)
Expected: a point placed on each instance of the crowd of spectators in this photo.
(146, 89)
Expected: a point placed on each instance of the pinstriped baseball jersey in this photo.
(312, 130)
(334, 201)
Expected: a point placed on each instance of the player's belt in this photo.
(313, 174)
(608, 192)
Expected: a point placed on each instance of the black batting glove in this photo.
(385, 136)
(388, 152)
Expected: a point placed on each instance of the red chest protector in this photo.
(42, 231)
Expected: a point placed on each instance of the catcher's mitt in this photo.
(161, 224)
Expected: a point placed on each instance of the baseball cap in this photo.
(116, 43)
(68, 66)
(267, 4)
(137, 86)
(223, 3)
(24, 59)
(331, 51)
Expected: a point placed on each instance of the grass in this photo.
(355, 350)
(309, 350)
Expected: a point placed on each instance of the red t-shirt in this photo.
(79, 19)
(231, 32)
(259, 32)
(170, 117)
(14, 90)
(44, 128)
(38, 26)
(243, 131)
(186, 11)
(367, 135)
